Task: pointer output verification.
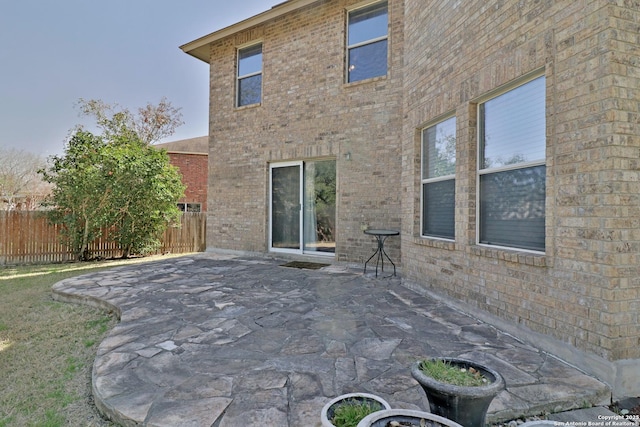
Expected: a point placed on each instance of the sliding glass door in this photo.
(286, 204)
(303, 207)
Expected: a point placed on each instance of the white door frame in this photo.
(300, 166)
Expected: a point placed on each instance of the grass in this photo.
(449, 373)
(352, 411)
(47, 348)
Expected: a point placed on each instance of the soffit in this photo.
(199, 48)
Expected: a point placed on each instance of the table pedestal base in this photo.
(380, 252)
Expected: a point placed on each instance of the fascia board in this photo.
(199, 48)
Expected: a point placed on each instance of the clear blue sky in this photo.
(53, 52)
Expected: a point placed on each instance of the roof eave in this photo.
(199, 48)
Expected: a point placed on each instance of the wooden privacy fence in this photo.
(26, 237)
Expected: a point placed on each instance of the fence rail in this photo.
(26, 237)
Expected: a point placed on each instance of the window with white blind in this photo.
(438, 179)
(367, 42)
(511, 168)
(249, 81)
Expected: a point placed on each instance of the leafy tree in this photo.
(144, 189)
(116, 180)
(79, 199)
(149, 125)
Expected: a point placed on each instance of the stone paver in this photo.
(225, 341)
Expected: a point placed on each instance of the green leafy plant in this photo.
(116, 180)
(350, 412)
(449, 373)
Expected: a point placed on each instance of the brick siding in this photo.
(584, 290)
(194, 170)
(307, 112)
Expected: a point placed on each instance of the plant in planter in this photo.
(462, 398)
(348, 409)
(405, 418)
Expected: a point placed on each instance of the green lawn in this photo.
(47, 348)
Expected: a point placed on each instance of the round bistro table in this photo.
(380, 235)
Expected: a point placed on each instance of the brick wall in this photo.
(585, 289)
(194, 169)
(307, 112)
(581, 297)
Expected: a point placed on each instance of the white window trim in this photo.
(244, 76)
(511, 167)
(479, 172)
(501, 90)
(363, 4)
(185, 206)
(435, 179)
(366, 42)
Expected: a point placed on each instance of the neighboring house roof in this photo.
(198, 145)
(199, 48)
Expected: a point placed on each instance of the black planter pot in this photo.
(464, 405)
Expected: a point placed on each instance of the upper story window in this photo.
(367, 42)
(249, 85)
(438, 179)
(512, 169)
